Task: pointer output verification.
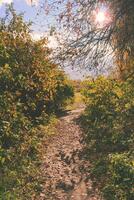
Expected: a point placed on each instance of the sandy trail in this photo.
(65, 172)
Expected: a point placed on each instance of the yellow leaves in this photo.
(118, 91)
(5, 68)
(127, 106)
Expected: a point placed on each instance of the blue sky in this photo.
(41, 23)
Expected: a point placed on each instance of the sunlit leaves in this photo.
(31, 89)
(108, 123)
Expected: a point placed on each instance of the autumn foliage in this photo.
(109, 134)
(32, 88)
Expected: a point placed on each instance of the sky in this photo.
(41, 24)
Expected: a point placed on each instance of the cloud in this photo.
(32, 2)
(52, 40)
(37, 36)
(6, 1)
(29, 2)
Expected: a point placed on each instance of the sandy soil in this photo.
(65, 172)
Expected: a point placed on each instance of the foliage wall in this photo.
(32, 88)
(109, 134)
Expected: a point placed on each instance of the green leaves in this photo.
(32, 88)
(109, 119)
(121, 180)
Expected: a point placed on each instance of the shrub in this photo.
(109, 134)
(29, 82)
(121, 178)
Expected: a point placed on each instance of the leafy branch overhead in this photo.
(95, 31)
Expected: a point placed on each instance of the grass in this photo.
(78, 101)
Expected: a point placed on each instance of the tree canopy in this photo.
(90, 44)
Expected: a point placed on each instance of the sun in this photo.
(100, 17)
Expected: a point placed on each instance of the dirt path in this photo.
(65, 171)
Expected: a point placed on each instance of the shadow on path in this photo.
(65, 172)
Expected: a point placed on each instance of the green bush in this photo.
(121, 178)
(108, 121)
(64, 93)
(29, 82)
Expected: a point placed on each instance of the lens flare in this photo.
(100, 17)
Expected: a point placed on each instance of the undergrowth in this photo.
(108, 123)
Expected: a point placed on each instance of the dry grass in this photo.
(78, 102)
